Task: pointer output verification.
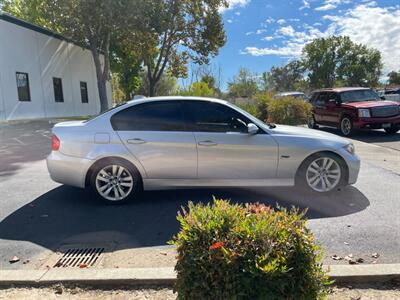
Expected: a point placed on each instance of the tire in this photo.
(115, 181)
(322, 173)
(346, 126)
(312, 124)
(392, 129)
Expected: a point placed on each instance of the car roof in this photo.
(290, 93)
(177, 98)
(341, 89)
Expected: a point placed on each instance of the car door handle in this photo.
(207, 143)
(136, 141)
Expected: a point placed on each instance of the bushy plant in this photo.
(262, 102)
(289, 111)
(232, 251)
(250, 108)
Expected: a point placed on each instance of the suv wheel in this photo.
(115, 181)
(346, 126)
(311, 123)
(321, 172)
(392, 129)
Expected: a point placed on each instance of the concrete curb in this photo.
(167, 276)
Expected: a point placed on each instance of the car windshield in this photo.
(359, 95)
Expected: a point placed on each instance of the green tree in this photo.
(126, 66)
(178, 30)
(166, 86)
(91, 23)
(338, 60)
(288, 77)
(394, 77)
(244, 84)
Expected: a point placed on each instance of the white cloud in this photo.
(288, 31)
(234, 4)
(306, 4)
(376, 27)
(281, 21)
(326, 7)
(268, 38)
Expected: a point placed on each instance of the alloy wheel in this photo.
(114, 182)
(323, 174)
(345, 126)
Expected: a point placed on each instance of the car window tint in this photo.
(333, 95)
(214, 117)
(321, 99)
(154, 116)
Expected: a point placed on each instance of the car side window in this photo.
(333, 95)
(152, 116)
(214, 117)
(321, 99)
(314, 97)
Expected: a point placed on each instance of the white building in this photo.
(43, 75)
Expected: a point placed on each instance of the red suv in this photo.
(352, 108)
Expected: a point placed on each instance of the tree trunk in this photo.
(101, 79)
(152, 88)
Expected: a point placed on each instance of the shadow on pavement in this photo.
(371, 136)
(22, 143)
(69, 215)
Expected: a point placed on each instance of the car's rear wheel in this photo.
(346, 126)
(392, 129)
(115, 181)
(322, 173)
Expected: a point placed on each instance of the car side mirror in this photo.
(252, 128)
(383, 97)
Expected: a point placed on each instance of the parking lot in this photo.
(38, 215)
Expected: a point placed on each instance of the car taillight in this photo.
(55, 142)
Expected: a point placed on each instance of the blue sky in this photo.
(266, 33)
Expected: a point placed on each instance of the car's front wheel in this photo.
(322, 173)
(114, 181)
(346, 126)
(311, 123)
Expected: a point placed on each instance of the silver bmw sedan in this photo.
(179, 142)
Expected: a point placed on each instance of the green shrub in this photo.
(250, 108)
(263, 100)
(289, 111)
(231, 251)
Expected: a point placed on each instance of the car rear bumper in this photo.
(68, 170)
(376, 122)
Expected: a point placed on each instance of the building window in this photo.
(23, 86)
(84, 92)
(58, 90)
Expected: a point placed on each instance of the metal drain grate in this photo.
(79, 257)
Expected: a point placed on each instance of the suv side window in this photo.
(321, 99)
(333, 95)
(213, 117)
(314, 97)
(152, 116)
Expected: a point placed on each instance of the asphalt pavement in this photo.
(38, 215)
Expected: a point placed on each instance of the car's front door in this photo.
(333, 109)
(155, 133)
(225, 149)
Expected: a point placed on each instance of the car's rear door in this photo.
(156, 134)
(225, 149)
(319, 107)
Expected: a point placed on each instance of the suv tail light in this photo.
(55, 142)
